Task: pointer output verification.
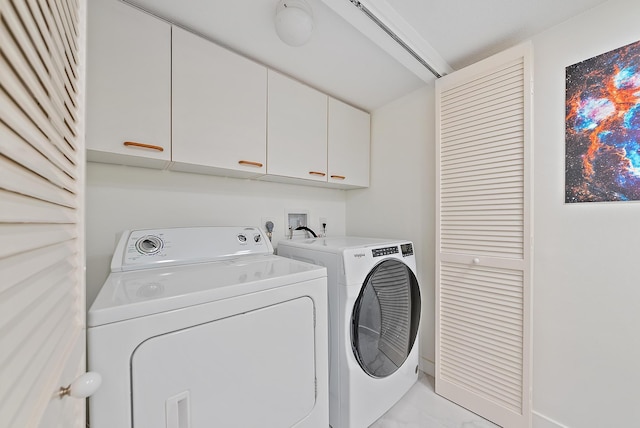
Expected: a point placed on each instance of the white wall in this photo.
(586, 308)
(400, 200)
(120, 198)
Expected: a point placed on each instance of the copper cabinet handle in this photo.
(142, 145)
(321, 174)
(338, 177)
(250, 163)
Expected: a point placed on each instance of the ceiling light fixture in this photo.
(294, 22)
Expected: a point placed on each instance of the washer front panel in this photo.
(356, 398)
(385, 318)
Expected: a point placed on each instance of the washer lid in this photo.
(127, 295)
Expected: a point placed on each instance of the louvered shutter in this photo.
(483, 227)
(42, 314)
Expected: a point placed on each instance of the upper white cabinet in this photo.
(128, 86)
(349, 135)
(314, 137)
(219, 104)
(159, 96)
(296, 131)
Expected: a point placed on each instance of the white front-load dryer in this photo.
(205, 327)
(374, 314)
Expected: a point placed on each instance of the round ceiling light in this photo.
(294, 22)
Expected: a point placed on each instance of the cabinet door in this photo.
(128, 86)
(219, 109)
(348, 145)
(297, 130)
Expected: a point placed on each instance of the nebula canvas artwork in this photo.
(602, 127)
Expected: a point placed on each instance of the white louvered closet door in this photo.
(483, 271)
(42, 317)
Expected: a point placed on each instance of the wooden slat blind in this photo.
(481, 165)
(481, 345)
(41, 208)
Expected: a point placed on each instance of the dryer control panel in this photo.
(148, 248)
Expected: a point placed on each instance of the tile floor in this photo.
(421, 407)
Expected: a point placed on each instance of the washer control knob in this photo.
(257, 238)
(242, 238)
(149, 244)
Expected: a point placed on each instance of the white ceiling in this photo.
(350, 58)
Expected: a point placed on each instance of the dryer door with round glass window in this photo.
(385, 318)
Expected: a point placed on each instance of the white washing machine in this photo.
(374, 313)
(205, 327)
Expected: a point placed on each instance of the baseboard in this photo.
(541, 421)
(428, 367)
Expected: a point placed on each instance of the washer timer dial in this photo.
(149, 244)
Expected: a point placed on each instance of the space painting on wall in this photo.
(602, 127)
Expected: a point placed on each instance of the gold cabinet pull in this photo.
(250, 163)
(142, 145)
(338, 177)
(321, 174)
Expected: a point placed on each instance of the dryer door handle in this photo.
(178, 411)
